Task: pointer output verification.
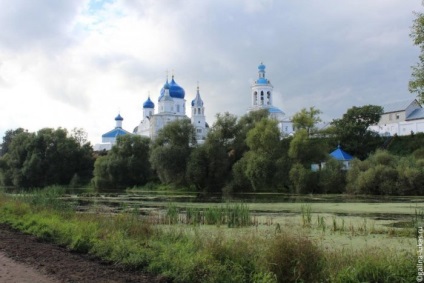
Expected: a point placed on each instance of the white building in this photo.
(109, 138)
(171, 107)
(400, 118)
(261, 98)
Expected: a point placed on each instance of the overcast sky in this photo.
(79, 63)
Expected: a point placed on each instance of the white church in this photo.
(172, 106)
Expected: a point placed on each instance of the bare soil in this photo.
(23, 258)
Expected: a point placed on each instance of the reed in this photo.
(306, 211)
(172, 214)
(232, 215)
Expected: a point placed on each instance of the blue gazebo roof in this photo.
(341, 155)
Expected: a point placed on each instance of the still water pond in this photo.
(264, 203)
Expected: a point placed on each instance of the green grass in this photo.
(206, 253)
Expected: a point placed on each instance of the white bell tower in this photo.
(198, 118)
(261, 90)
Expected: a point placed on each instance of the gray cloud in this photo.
(37, 24)
(329, 54)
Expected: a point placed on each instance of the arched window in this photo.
(194, 111)
(255, 98)
(178, 108)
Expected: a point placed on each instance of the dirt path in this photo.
(14, 272)
(25, 259)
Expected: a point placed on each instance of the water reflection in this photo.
(160, 196)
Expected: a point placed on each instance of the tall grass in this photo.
(129, 240)
(49, 197)
(232, 215)
(306, 212)
(418, 218)
(371, 265)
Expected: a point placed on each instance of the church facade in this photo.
(171, 107)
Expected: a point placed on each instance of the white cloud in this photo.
(79, 63)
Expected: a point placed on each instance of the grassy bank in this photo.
(189, 253)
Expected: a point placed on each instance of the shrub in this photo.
(332, 177)
(295, 259)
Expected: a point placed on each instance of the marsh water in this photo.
(374, 207)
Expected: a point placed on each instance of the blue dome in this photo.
(119, 118)
(261, 67)
(165, 86)
(274, 109)
(175, 90)
(262, 81)
(148, 103)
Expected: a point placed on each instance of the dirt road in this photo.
(25, 259)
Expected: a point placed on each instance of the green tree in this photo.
(126, 165)
(300, 176)
(246, 123)
(307, 150)
(80, 135)
(385, 174)
(224, 147)
(171, 151)
(45, 158)
(197, 168)
(416, 84)
(262, 141)
(7, 139)
(283, 165)
(13, 160)
(210, 164)
(307, 119)
(352, 130)
(332, 178)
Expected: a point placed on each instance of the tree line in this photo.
(240, 154)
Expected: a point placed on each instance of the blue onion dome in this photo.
(261, 67)
(119, 118)
(148, 103)
(166, 85)
(175, 90)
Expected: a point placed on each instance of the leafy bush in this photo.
(385, 174)
(295, 259)
(332, 178)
